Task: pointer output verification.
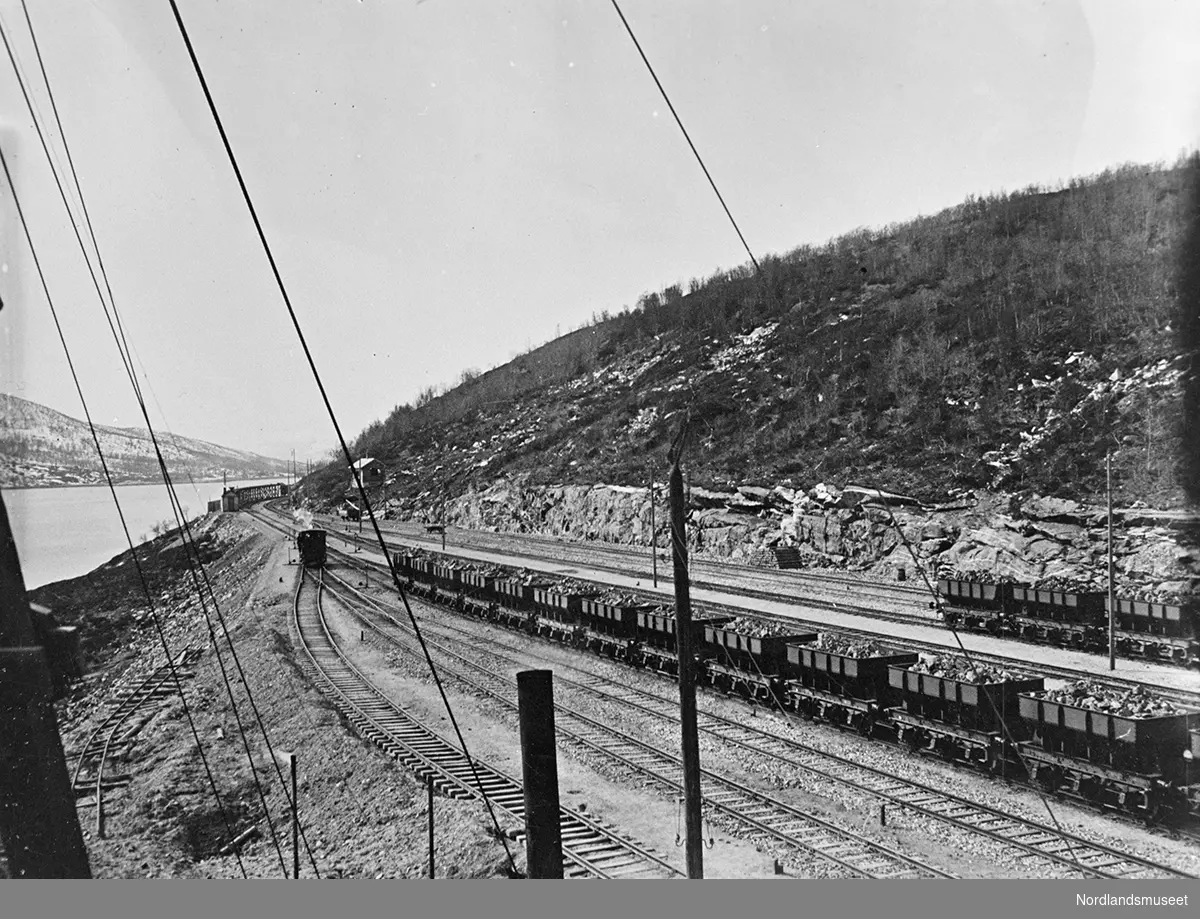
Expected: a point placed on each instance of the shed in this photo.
(368, 471)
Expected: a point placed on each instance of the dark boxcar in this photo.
(311, 544)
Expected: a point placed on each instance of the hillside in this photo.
(1006, 344)
(39, 446)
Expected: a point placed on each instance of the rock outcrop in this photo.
(975, 535)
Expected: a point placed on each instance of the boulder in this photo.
(1057, 509)
(990, 550)
(702, 497)
(755, 493)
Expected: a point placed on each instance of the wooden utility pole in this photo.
(1112, 593)
(429, 789)
(692, 797)
(289, 760)
(39, 825)
(539, 761)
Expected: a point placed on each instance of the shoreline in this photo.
(157, 481)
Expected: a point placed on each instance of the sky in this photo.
(448, 183)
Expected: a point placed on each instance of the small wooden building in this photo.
(369, 471)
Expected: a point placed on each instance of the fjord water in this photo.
(65, 532)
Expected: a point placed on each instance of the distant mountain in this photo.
(42, 447)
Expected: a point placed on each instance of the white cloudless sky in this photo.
(448, 183)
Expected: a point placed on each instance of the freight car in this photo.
(1079, 620)
(1002, 724)
(311, 546)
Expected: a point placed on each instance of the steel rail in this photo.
(758, 811)
(1083, 856)
(591, 847)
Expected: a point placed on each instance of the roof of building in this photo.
(363, 463)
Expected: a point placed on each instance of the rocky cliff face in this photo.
(975, 535)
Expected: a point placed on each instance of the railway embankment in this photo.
(363, 815)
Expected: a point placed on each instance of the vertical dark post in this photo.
(429, 789)
(443, 523)
(539, 761)
(39, 825)
(1112, 593)
(687, 686)
(295, 820)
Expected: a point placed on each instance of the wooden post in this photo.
(692, 797)
(295, 818)
(429, 789)
(1112, 593)
(539, 761)
(40, 835)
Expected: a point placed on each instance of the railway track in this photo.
(834, 592)
(1190, 698)
(103, 744)
(738, 803)
(590, 849)
(796, 585)
(1030, 838)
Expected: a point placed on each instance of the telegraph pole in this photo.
(692, 797)
(1112, 593)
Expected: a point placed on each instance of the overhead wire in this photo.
(190, 549)
(120, 513)
(332, 416)
(1008, 736)
(687, 137)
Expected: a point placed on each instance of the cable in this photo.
(646, 61)
(328, 406)
(161, 461)
(74, 176)
(124, 526)
(128, 358)
(958, 640)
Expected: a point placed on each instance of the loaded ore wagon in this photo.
(1124, 748)
(478, 588)
(422, 576)
(515, 601)
(658, 641)
(447, 584)
(311, 546)
(958, 709)
(844, 681)
(1057, 616)
(559, 613)
(611, 625)
(974, 604)
(750, 655)
(1158, 630)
